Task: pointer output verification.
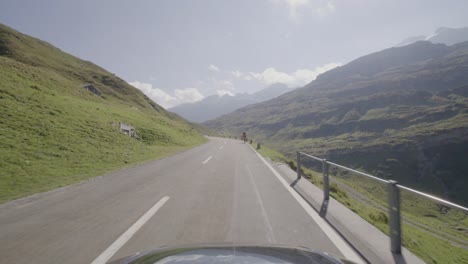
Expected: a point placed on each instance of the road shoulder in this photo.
(370, 242)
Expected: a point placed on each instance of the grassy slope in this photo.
(54, 133)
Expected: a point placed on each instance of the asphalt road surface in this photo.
(221, 191)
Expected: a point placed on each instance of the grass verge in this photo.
(430, 246)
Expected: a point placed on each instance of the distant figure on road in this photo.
(244, 137)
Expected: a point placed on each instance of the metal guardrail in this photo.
(393, 196)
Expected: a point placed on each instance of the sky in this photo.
(179, 51)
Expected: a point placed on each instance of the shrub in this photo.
(379, 217)
(292, 165)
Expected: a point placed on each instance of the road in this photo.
(221, 191)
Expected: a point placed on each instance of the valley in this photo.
(400, 114)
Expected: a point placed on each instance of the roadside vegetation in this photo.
(53, 132)
(433, 232)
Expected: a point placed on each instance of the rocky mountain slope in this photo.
(400, 113)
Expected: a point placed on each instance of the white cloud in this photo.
(325, 9)
(167, 100)
(226, 85)
(300, 77)
(296, 8)
(222, 85)
(247, 78)
(213, 68)
(224, 92)
(188, 95)
(237, 74)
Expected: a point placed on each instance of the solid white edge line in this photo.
(208, 159)
(114, 247)
(342, 246)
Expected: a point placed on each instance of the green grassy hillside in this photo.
(54, 132)
(401, 113)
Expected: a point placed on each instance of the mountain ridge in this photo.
(215, 105)
(398, 102)
(445, 35)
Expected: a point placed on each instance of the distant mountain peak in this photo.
(217, 105)
(410, 40)
(444, 35)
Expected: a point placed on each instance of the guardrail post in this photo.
(258, 145)
(298, 164)
(394, 215)
(326, 184)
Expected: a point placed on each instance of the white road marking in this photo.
(344, 248)
(220, 148)
(112, 249)
(208, 159)
(270, 235)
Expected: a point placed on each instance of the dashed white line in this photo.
(208, 159)
(112, 249)
(220, 148)
(344, 248)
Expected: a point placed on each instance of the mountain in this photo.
(215, 105)
(400, 113)
(60, 115)
(449, 36)
(443, 35)
(411, 40)
(270, 92)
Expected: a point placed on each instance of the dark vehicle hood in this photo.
(232, 254)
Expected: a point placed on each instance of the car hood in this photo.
(244, 254)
